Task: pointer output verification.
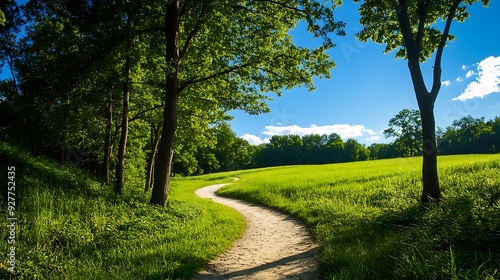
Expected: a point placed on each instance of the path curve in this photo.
(274, 245)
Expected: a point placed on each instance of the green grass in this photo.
(367, 217)
(73, 227)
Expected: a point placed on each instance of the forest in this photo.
(93, 83)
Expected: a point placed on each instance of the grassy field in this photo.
(367, 217)
(72, 227)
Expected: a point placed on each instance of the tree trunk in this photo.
(163, 164)
(151, 159)
(120, 166)
(108, 142)
(431, 191)
(60, 150)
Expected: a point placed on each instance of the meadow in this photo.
(71, 226)
(367, 217)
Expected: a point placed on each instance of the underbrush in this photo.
(367, 217)
(71, 226)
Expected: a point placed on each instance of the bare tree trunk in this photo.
(431, 191)
(151, 159)
(163, 164)
(120, 166)
(108, 142)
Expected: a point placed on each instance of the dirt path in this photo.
(274, 246)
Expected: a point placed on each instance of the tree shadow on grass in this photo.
(414, 243)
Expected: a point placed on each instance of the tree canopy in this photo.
(112, 85)
(406, 127)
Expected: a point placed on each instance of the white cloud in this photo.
(459, 79)
(369, 131)
(254, 140)
(373, 138)
(469, 73)
(446, 83)
(487, 81)
(344, 130)
(464, 67)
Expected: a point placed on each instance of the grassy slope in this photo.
(72, 227)
(368, 220)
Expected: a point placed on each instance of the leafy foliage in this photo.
(68, 76)
(470, 136)
(309, 149)
(380, 23)
(406, 127)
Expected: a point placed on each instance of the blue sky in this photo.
(368, 87)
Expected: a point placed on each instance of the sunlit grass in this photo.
(73, 227)
(367, 217)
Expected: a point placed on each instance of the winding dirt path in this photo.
(274, 246)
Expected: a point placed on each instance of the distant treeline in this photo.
(465, 136)
(470, 136)
(222, 150)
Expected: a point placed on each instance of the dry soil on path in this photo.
(274, 245)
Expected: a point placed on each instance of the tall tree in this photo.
(240, 50)
(409, 26)
(406, 127)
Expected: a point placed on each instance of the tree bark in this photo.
(151, 159)
(431, 191)
(163, 164)
(108, 141)
(120, 166)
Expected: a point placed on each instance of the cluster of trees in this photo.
(227, 152)
(470, 135)
(123, 84)
(309, 149)
(120, 87)
(465, 136)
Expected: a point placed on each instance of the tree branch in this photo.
(286, 6)
(10, 62)
(404, 22)
(136, 116)
(184, 85)
(412, 52)
(437, 63)
(193, 33)
(423, 8)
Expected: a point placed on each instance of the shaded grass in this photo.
(73, 227)
(367, 216)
